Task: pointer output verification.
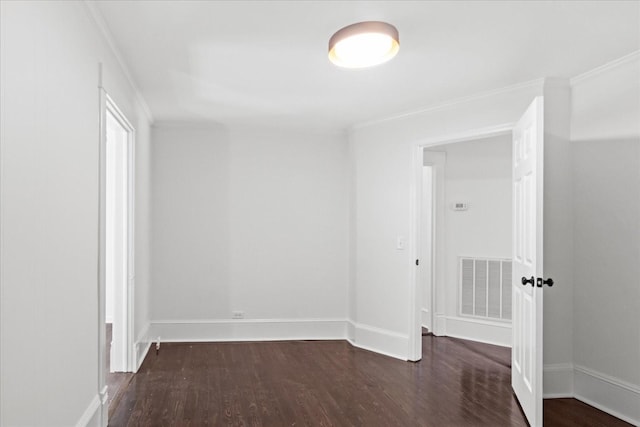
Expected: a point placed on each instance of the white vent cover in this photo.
(485, 288)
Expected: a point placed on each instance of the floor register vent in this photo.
(485, 288)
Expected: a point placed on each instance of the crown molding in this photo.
(101, 24)
(457, 101)
(633, 56)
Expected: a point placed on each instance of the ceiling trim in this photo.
(537, 83)
(469, 135)
(98, 19)
(633, 56)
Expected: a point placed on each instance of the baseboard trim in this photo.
(608, 394)
(424, 313)
(557, 381)
(142, 346)
(377, 351)
(439, 325)
(351, 331)
(91, 416)
(104, 406)
(380, 340)
(215, 330)
(495, 333)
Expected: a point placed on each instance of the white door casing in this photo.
(527, 298)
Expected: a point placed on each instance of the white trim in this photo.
(557, 381)
(351, 331)
(425, 317)
(367, 337)
(439, 325)
(225, 330)
(633, 56)
(376, 350)
(378, 340)
(612, 395)
(91, 416)
(141, 354)
(141, 348)
(102, 338)
(457, 101)
(243, 321)
(414, 349)
(102, 26)
(470, 135)
(479, 330)
(128, 297)
(104, 406)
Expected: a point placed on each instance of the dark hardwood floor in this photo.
(331, 383)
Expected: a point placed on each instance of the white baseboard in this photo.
(142, 345)
(557, 381)
(380, 340)
(426, 320)
(611, 395)
(485, 331)
(351, 331)
(439, 325)
(248, 330)
(104, 406)
(91, 416)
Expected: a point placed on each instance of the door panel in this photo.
(526, 366)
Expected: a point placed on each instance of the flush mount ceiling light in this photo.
(364, 44)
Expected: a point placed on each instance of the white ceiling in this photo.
(266, 61)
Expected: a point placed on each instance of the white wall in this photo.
(478, 173)
(606, 196)
(252, 220)
(49, 210)
(558, 220)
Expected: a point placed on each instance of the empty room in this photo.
(319, 213)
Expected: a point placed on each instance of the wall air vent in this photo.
(485, 288)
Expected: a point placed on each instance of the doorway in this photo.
(527, 252)
(432, 266)
(116, 245)
(466, 239)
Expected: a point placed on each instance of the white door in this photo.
(526, 354)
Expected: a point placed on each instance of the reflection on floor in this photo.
(116, 381)
(457, 383)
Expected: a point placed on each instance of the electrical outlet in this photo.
(237, 314)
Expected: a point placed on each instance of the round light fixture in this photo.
(364, 44)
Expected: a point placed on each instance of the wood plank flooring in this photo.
(331, 383)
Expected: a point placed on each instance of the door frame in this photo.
(106, 103)
(417, 242)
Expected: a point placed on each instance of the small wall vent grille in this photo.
(485, 288)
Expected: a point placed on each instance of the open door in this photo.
(526, 353)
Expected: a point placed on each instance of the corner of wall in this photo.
(558, 381)
(379, 340)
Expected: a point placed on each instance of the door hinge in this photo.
(417, 262)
